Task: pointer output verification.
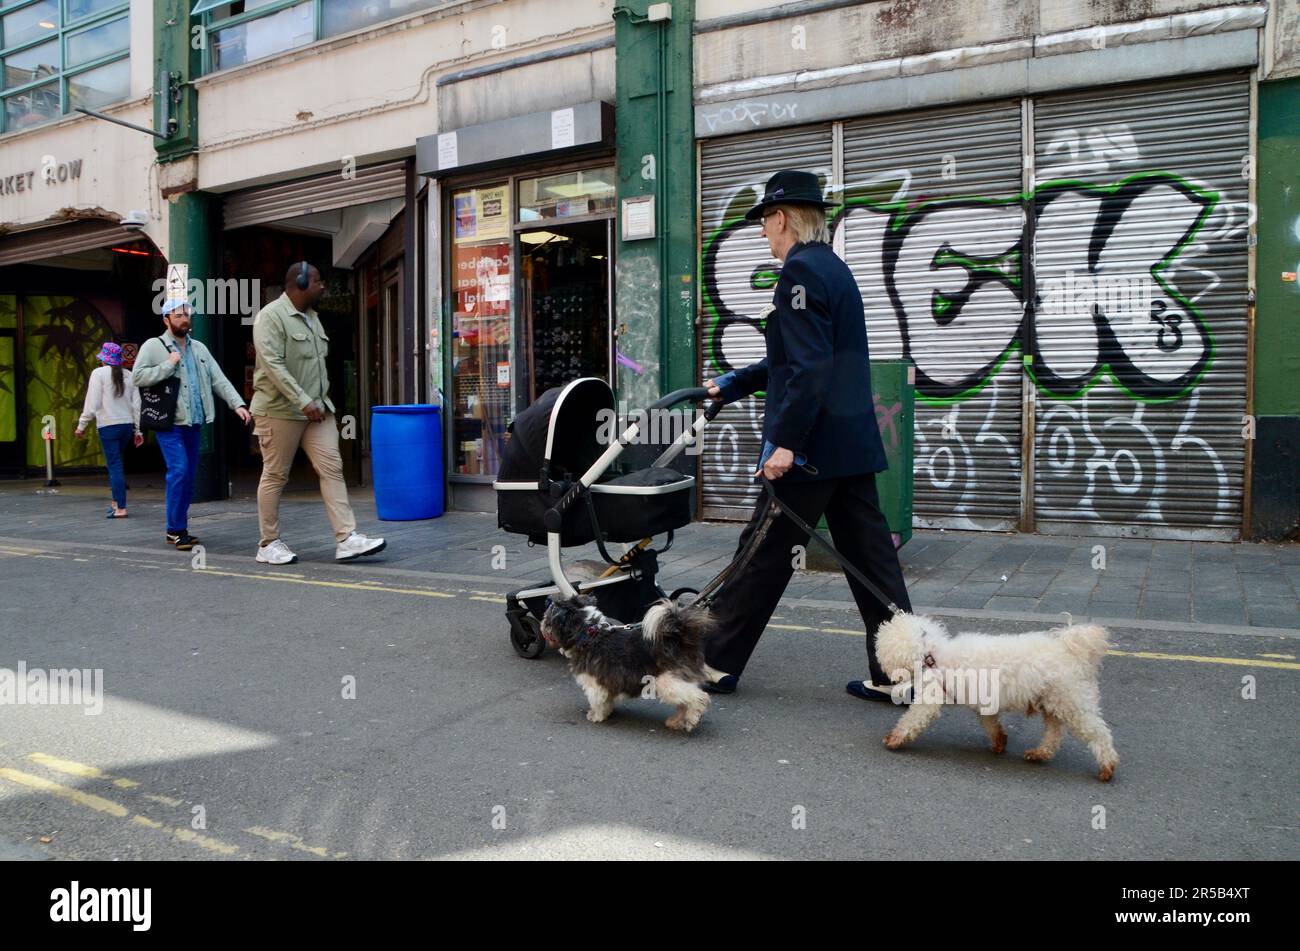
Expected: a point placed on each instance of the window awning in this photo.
(204, 6)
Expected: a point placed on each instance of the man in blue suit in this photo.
(821, 443)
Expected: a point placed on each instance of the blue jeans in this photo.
(180, 449)
(115, 439)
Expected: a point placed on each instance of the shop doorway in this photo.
(55, 314)
(565, 280)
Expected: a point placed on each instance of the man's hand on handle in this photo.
(314, 411)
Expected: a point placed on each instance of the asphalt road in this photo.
(224, 701)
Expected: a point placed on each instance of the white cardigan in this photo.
(105, 406)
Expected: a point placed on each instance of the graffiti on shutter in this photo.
(1140, 262)
(1117, 284)
(739, 277)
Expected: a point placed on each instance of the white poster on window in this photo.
(447, 157)
(562, 128)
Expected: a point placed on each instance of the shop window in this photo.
(56, 56)
(482, 316)
(342, 16)
(252, 29)
(284, 29)
(99, 87)
(568, 195)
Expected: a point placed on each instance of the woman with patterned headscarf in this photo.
(113, 401)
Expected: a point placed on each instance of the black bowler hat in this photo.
(790, 187)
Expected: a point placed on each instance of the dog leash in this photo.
(875, 592)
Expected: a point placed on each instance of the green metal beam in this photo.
(179, 51)
(656, 279)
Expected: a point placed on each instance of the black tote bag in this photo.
(158, 402)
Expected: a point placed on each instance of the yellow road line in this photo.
(1280, 656)
(80, 770)
(1141, 655)
(203, 841)
(71, 768)
(284, 579)
(89, 800)
(1191, 658)
(293, 841)
(100, 804)
(499, 599)
(165, 800)
(820, 630)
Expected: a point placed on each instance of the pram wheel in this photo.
(526, 637)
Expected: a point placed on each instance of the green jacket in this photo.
(152, 366)
(291, 355)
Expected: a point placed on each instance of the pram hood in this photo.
(557, 440)
(562, 427)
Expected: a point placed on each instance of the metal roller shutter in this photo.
(932, 231)
(42, 243)
(310, 195)
(738, 274)
(1141, 324)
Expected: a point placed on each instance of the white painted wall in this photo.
(368, 95)
(117, 164)
(1282, 40)
(874, 31)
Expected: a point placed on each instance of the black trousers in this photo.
(860, 533)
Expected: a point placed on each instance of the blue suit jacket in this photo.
(817, 372)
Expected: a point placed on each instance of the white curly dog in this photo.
(1049, 672)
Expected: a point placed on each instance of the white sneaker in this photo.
(276, 553)
(356, 545)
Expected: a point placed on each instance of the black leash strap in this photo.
(737, 565)
(844, 562)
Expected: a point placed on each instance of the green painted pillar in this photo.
(655, 287)
(1275, 468)
(179, 45)
(190, 242)
(178, 48)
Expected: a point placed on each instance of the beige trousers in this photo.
(280, 439)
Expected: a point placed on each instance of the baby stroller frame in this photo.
(569, 511)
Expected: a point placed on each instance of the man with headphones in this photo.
(291, 408)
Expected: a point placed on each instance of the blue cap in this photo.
(171, 305)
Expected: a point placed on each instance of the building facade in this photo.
(1051, 209)
(72, 274)
(1067, 216)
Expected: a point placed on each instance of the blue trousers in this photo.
(180, 449)
(115, 439)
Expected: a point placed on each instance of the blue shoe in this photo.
(726, 685)
(869, 691)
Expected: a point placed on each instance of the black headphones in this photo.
(303, 280)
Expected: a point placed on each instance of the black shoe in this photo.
(726, 685)
(183, 542)
(867, 691)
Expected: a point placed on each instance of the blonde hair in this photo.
(807, 222)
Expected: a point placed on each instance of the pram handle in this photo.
(553, 518)
(694, 394)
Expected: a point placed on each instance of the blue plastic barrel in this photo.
(406, 461)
